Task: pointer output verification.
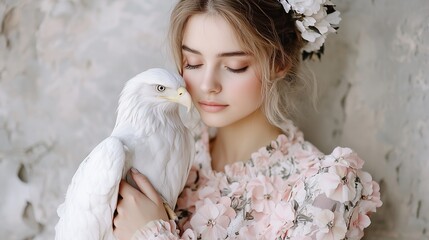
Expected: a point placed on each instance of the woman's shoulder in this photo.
(292, 142)
(290, 154)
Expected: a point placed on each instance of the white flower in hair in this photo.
(304, 28)
(334, 18)
(315, 19)
(306, 7)
(314, 46)
(286, 5)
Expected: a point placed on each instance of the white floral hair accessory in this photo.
(315, 19)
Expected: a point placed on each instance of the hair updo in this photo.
(264, 30)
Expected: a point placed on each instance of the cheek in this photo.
(190, 83)
(250, 90)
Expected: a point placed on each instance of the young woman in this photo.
(255, 177)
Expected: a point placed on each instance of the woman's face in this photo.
(221, 78)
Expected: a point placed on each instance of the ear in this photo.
(282, 71)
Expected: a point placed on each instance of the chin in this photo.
(215, 121)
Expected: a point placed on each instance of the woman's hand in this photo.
(137, 208)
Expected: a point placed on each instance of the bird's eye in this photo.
(160, 88)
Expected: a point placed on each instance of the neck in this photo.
(144, 120)
(236, 142)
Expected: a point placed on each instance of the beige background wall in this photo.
(64, 62)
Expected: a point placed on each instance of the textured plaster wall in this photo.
(64, 62)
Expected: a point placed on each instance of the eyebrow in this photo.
(225, 54)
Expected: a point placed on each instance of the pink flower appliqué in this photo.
(370, 193)
(261, 158)
(366, 181)
(209, 192)
(370, 203)
(338, 183)
(263, 194)
(331, 225)
(282, 218)
(237, 170)
(343, 157)
(281, 144)
(259, 229)
(211, 220)
(188, 235)
(358, 223)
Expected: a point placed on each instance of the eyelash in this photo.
(237, 70)
(191, 67)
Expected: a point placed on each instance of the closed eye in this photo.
(190, 67)
(240, 70)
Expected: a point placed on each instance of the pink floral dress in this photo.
(287, 190)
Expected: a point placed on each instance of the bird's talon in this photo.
(171, 214)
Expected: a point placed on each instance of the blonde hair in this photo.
(264, 30)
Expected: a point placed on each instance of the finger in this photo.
(115, 213)
(126, 189)
(116, 232)
(119, 209)
(117, 221)
(146, 187)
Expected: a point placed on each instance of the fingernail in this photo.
(134, 170)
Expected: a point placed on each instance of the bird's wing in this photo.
(187, 155)
(166, 158)
(91, 197)
(152, 154)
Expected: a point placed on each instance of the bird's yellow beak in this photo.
(182, 97)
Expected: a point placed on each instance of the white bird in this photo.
(150, 136)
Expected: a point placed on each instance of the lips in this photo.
(212, 107)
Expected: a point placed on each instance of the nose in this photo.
(211, 82)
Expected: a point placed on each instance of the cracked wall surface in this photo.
(64, 62)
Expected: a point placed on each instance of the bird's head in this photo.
(155, 87)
